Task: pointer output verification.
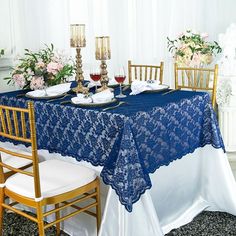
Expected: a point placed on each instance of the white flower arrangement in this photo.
(191, 49)
(42, 68)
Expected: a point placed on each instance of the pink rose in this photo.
(183, 46)
(19, 80)
(54, 67)
(204, 35)
(195, 62)
(29, 72)
(40, 64)
(37, 82)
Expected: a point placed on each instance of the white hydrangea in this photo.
(227, 63)
(223, 93)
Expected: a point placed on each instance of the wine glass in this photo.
(95, 75)
(120, 78)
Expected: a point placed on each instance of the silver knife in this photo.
(171, 91)
(56, 99)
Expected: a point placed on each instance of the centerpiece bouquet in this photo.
(37, 70)
(191, 49)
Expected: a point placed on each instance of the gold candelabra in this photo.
(78, 41)
(103, 53)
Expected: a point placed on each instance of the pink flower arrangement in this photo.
(37, 70)
(192, 50)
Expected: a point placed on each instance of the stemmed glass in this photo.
(120, 78)
(95, 75)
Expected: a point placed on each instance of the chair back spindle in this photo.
(145, 72)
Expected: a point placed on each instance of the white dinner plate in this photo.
(55, 91)
(44, 97)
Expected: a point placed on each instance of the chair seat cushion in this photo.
(14, 161)
(56, 177)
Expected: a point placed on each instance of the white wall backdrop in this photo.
(137, 28)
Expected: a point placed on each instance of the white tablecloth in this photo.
(199, 181)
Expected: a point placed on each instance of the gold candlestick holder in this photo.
(78, 41)
(104, 77)
(103, 53)
(79, 74)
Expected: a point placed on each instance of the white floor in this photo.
(232, 161)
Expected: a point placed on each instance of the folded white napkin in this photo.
(81, 98)
(51, 91)
(141, 86)
(102, 97)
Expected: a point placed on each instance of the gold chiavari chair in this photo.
(51, 182)
(145, 72)
(202, 79)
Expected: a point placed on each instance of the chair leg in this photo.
(40, 219)
(57, 218)
(98, 208)
(2, 197)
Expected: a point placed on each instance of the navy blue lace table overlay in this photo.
(130, 142)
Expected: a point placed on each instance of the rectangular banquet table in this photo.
(129, 144)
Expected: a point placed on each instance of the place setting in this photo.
(101, 97)
(50, 93)
(149, 86)
(95, 79)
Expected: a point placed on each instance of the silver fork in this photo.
(113, 107)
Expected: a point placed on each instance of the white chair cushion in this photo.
(14, 161)
(56, 177)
